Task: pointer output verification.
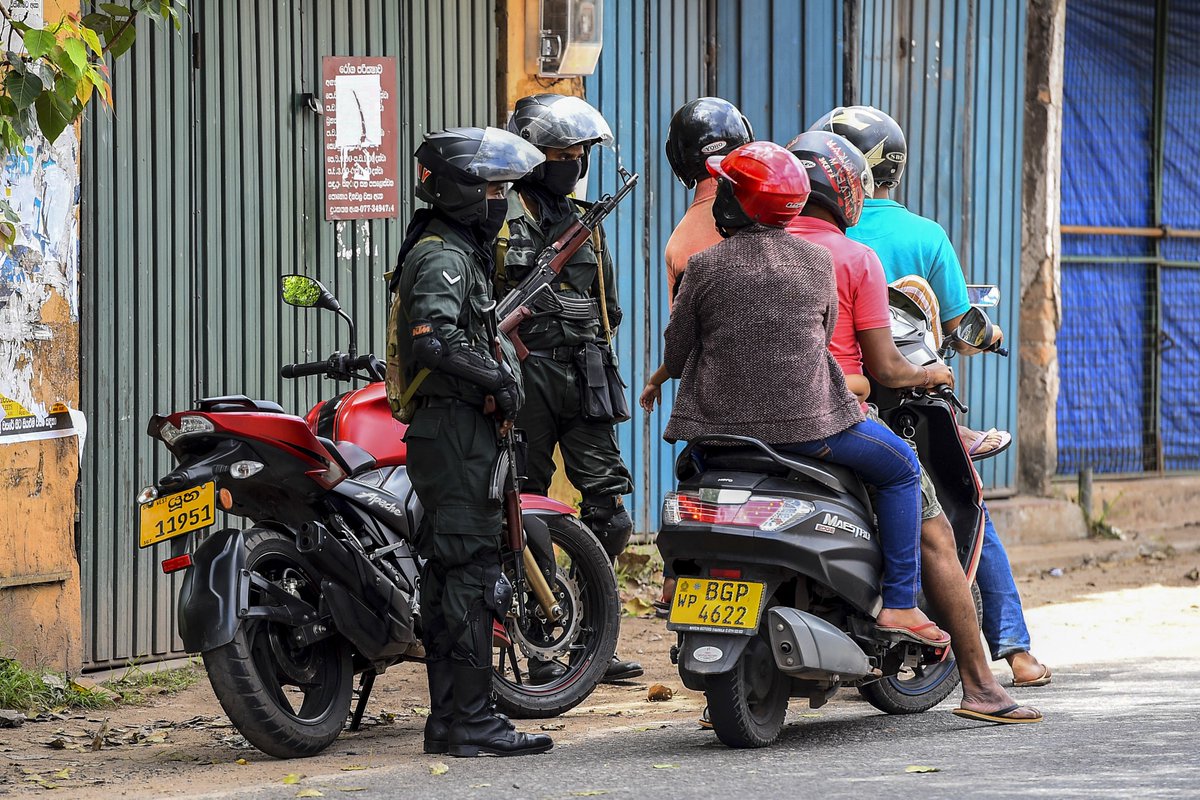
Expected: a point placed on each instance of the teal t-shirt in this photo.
(908, 244)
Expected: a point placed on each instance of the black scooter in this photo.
(779, 566)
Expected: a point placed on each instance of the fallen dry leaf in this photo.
(918, 768)
(666, 766)
(659, 693)
(241, 762)
(63, 773)
(553, 726)
(637, 606)
(352, 767)
(438, 769)
(421, 711)
(292, 778)
(309, 793)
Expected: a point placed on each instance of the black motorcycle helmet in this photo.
(873, 132)
(455, 166)
(705, 127)
(559, 121)
(838, 172)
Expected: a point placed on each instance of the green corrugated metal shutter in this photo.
(203, 187)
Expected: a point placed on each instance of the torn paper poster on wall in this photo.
(30, 12)
(39, 288)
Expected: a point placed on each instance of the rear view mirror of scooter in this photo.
(976, 331)
(983, 295)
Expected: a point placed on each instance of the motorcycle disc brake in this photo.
(566, 591)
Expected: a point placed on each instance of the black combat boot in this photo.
(476, 728)
(619, 670)
(441, 706)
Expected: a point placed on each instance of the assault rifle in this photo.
(517, 305)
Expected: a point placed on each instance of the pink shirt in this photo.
(861, 285)
(695, 232)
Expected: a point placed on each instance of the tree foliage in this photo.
(48, 75)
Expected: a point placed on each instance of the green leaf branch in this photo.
(65, 64)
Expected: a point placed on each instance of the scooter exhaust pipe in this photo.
(806, 646)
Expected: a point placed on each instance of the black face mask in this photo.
(560, 177)
(497, 213)
(727, 211)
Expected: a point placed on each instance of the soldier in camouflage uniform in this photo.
(539, 211)
(440, 369)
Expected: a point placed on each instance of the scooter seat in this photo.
(758, 458)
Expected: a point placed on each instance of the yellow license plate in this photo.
(707, 604)
(177, 514)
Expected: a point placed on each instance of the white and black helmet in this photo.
(873, 132)
(455, 166)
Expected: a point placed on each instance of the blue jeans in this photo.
(1003, 618)
(884, 460)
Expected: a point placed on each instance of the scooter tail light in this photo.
(721, 572)
(175, 564)
(761, 512)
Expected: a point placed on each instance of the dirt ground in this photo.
(182, 745)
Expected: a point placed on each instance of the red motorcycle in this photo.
(324, 584)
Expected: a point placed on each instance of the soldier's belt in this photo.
(443, 402)
(563, 355)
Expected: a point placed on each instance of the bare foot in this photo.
(1027, 670)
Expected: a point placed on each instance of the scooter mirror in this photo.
(975, 329)
(983, 295)
(305, 292)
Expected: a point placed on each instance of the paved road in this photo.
(1123, 719)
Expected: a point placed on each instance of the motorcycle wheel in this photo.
(917, 691)
(747, 705)
(579, 646)
(287, 701)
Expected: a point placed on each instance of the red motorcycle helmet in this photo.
(766, 180)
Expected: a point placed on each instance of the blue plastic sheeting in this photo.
(1101, 367)
(1180, 374)
(1107, 177)
(1108, 113)
(1181, 167)
(1180, 287)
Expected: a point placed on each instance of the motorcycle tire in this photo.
(586, 585)
(928, 687)
(748, 704)
(255, 676)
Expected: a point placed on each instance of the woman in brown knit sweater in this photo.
(748, 339)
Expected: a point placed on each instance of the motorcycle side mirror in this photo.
(305, 292)
(975, 329)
